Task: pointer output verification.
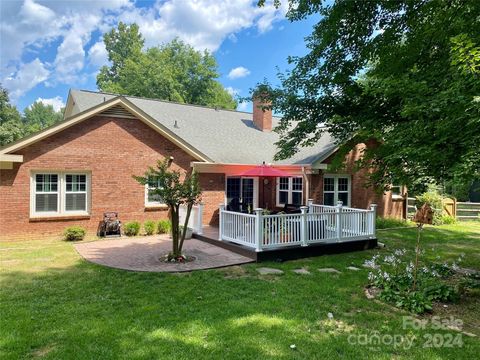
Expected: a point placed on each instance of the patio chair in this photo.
(291, 209)
(110, 226)
(234, 205)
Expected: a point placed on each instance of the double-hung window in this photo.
(46, 193)
(59, 193)
(397, 191)
(289, 191)
(336, 188)
(151, 198)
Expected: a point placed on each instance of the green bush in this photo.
(149, 227)
(394, 275)
(131, 228)
(434, 199)
(388, 223)
(447, 220)
(74, 233)
(164, 227)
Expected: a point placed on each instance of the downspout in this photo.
(307, 183)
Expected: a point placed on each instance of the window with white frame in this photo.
(59, 193)
(397, 191)
(336, 188)
(152, 199)
(289, 191)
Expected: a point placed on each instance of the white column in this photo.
(304, 226)
(310, 205)
(220, 221)
(258, 229)
(200, 219)
(339, 220)
(373, 220)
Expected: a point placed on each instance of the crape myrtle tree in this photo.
(403, 75)
(175, 192)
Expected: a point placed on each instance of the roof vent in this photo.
(175, 125)
(118, 112)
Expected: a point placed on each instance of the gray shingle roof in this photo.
(224, 136)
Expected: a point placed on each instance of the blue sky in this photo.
(48, 47)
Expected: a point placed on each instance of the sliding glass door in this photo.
(241, 193)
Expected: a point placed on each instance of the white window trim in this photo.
(153, 204)
(255, 188)
(397, 196)
(335, 187)
(290, 191)
(61, 193)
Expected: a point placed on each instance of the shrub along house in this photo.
(74, 171)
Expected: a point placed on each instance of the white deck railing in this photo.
(315, 224)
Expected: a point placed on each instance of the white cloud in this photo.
(33, 13)
(242, 106)
(25, 78)
(56, 102)
(238, 72)
(97, 54)
(34, 25)
(232, 91)
(204, 24)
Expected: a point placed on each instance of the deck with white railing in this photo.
(317, 224)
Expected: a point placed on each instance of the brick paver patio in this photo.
(145, 253)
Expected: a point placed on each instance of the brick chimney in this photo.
(262, 118)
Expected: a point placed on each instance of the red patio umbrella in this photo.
(264, 171)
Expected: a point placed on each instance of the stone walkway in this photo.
(144, 253)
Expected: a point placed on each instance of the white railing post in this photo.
(200, 219)
(373, 223)
(310, 205)
(220, 221)
(304, 226)
(339, 220)
(258, 229)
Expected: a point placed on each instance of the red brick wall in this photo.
(213, 194)
(362, 196)
(112, 150)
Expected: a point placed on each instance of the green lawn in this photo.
(54, 305)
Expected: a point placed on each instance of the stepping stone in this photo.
(353, 268)
(269, 271)
(330, 270)
(301, 271)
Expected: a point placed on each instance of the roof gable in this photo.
(116, 107)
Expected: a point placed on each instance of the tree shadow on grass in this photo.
(87, 311)
(445, 243)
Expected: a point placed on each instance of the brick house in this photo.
(74, 171)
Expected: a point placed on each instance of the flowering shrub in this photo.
(394, 275)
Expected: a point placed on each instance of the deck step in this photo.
(239, 249)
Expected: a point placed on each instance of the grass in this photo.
(391, 223)
(54, 305)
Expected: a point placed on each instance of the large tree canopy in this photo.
(405, 73)
(10, 124)
(174, 71)
(36, 117)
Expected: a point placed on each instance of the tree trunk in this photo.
(185, 225)
(175, 231)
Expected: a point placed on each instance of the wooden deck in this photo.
(210, 234)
